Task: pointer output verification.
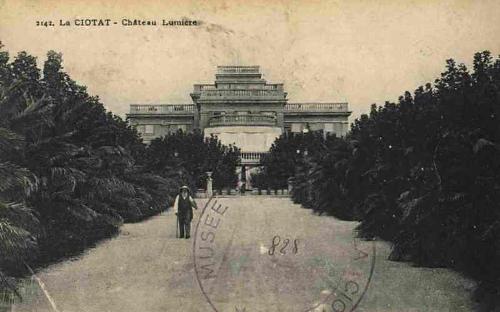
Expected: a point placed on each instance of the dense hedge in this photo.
(72, 173)
(196, 155)
(423, 173)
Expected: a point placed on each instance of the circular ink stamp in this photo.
(260, 260)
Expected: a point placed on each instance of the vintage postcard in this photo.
(288, 156)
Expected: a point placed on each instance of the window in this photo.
(149, 129)
(329, 127)
(296, 127)
(175, 128)
(218, 113)
(267, 113)
(140, 128)
(338, 128)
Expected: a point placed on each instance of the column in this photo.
(209, 184)
(248, 177)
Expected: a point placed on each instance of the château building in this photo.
(243, 109)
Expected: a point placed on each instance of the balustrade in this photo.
(238, 69)
(253, 157)
(252, 120)
(204, 87)
(316, 107)
(160, 109)
(245, 93)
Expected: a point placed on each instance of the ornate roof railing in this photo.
(251, 157)
(203, 87)
(162, 108)
(214, 94)
(237, 69)
(190, 108)
(241, 86)
(242, 120)
(316, 107)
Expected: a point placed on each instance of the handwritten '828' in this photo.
(283, 246)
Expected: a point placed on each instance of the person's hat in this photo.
(184, 187)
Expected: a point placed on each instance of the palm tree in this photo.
(18, 224)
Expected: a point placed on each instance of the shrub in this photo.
(423, 173)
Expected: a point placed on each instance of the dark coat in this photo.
(185, 207)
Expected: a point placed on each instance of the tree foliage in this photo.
(70, 171)
(423, 173)
(193, 156)
(285, 156)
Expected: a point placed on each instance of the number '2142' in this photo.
(277, 244)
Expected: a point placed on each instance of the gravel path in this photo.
(146, 268)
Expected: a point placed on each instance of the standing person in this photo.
(183, 208)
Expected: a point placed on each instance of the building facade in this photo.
(243, 109)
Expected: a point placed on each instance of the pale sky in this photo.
(362, 52)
